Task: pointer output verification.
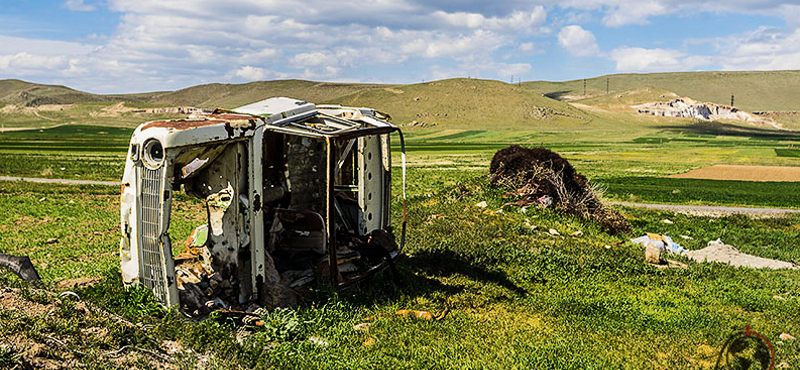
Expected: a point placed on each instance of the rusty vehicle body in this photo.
(290, 190)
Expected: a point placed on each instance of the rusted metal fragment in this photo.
(182, 124)
(306, 165)
(234, 121)
(218, 203)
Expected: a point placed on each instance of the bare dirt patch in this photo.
(743, 173)
(717, 251)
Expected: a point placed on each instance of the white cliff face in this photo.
(685, 107)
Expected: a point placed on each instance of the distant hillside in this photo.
(753, 91)
(235, 95)
(467, 103)
(27, 94)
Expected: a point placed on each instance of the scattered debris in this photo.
(686, 237)
(662, 242)
(717, 251)
(785, 336)
(364, 326)
(318, 341)
(52, 241)
(652, 254)
(21, 266)
(425, 315)
(667, 221)
(779, 298)
(70, 294)
(542, 177)
(482, 204)
(553, 232)
(607, 246)
(672, 264)
(577, 233)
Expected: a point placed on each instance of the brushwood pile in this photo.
(542, 177)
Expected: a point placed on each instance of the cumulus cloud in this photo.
(763, 49)
(524, 21)
(633, 59)
(165, 44)
(636, 12)
(578, 41)
(527, 47)
(251, 73)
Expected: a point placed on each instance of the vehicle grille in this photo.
(152, 261)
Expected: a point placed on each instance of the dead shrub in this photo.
(532, 173)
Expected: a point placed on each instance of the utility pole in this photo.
(584, 87)
(606, 85)
(731, 100)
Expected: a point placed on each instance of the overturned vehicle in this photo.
(289, 192)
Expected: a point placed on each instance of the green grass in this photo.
(794, 153)
(696, 191)
(518, 297)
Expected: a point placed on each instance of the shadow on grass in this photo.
(726, 129)
(445, 263)
(558, 95)
(421, 275)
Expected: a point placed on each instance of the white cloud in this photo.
(634, 12)
(527, 47)
(309, 60)
(79, 6)
(433, 45)
(25, 62)
(521, 21)
(251, 73)
(630, 59)
(762, 49)
(578, 41)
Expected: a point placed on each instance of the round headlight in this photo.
(152, 153)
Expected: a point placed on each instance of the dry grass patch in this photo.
(743, 173)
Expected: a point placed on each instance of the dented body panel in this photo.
(290, 190)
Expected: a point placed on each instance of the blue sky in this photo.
(119, 46)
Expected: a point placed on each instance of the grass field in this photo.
(519, 297)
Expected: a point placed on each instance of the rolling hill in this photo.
(468, 103)
(233, 95)
(458, 103)
(753, 90)
(28, 94)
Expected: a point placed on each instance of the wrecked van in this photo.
(289, 191)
